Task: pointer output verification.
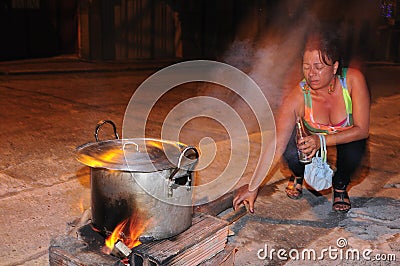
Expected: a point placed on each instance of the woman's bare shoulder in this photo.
(354, 74)
(294, 98)
(355, 79)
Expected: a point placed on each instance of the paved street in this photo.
(48, 108)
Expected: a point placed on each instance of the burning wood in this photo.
(120, 250)
(204, 243)
(205, 238)
(126, 234)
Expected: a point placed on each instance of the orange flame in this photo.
(80, 206)
(129, 235)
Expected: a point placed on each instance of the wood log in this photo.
(205, 238)
(224, 258)
(217, 206)
(232, 216)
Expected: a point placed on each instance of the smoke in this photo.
(272, 55)
(269, 40)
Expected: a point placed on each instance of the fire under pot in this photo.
(143, 185)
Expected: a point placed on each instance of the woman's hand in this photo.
(243, 195)
(309, 145)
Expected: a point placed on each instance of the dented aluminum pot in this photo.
(146, 180)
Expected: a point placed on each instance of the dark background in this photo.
(121, 30)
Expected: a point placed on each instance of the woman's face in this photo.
(317, 73)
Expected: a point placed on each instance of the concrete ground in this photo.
(49, 107)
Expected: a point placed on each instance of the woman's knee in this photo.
(351, 152)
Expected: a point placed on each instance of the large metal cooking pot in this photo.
(147, 180)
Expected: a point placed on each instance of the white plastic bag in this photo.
(318, 173)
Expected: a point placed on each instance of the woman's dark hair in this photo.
(325, 40)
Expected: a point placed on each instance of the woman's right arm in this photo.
(292, 105)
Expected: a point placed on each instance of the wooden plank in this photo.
(205, 228)
(184, 240)
(95, 30)
(203, 240)
(202, 250)
(147, 30)
(217, 206)
(224, 258)
(163, 30)
(232, 216)
(131, 30)
(124, 30)
(83, 30)
(118, 31)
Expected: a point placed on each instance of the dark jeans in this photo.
(349, 157)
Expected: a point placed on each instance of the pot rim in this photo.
(136, 155)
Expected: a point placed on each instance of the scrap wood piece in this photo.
(234, 215)
(223, 208)
(223, 258)
(206, 237)
(203, 250)
(217, 206)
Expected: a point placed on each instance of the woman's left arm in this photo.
(360, 97)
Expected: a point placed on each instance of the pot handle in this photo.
(183, 153)
(100, 124)
(178, 167)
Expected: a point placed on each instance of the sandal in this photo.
(342, 195)
(292, 191)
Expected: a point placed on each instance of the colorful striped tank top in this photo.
(308, 118)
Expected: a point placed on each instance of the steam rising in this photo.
(270, 52)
